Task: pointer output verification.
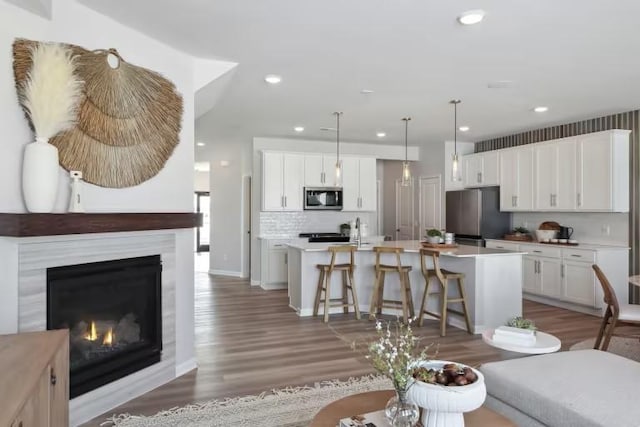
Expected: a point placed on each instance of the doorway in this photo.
(202, 205)
(404, 211)
(430, 203)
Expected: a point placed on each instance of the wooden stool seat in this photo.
(377, 297)
(324, 284)
(443, 277)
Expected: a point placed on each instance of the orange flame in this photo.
(109, 337)
(91, 334)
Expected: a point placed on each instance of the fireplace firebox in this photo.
(113, 312)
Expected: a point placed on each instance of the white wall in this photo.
(170, 190)
(202, 180)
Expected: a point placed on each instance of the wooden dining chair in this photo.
(615, 314)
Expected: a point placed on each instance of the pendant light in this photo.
(406, 172)
(455, 166)
(338, 181)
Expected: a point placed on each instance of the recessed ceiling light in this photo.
(273, 79)
(200, 144)
(299, 129)
(464, 128)
(366, 91)
(381, 134)
(541, 109)
(471, 17)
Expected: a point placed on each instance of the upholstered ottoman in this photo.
(572, 388)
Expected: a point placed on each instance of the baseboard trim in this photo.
(562, 304)
(255, 282)
(186, 366)
(226, 273)
(274, 286)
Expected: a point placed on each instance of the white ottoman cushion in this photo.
(572, 388)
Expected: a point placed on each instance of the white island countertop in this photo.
(410, 246)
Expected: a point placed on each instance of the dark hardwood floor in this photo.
(248, 340)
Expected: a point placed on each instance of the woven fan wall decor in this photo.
(128, 122)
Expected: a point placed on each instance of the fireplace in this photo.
(113, 312)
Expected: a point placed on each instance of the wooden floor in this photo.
(248, 340)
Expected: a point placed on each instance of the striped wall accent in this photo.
(629, 120)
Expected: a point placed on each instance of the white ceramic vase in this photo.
(444, 406)
(40, 176)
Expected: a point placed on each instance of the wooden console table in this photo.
(361, 403)
(34, 384)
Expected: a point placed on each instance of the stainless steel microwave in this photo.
(323, 198)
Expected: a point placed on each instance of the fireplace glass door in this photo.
(113, 312)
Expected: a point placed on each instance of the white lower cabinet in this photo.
(579, 283)
(541, 276)
(564, 274)
(274, 263)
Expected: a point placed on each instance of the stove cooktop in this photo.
(325, 237)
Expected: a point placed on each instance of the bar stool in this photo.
(377, 297)
(324, 283)
(443, 277)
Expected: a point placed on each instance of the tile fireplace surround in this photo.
(24, 262)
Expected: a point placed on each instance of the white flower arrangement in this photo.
(396, 352)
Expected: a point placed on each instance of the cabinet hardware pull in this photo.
(535, 267)
(479, 177)
(516, 199)
(538, 252)
(286, 259)
(277, 245)
(550, 199)
(285, 201)
(562, 270)
(500, 247)
(54, 378)
(513, 201)
(579, 199)
(577, 256)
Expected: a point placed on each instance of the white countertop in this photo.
(409, 246)
(590, 246)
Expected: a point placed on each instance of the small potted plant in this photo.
(522, 323)
(345, 229)
(434, 235)
(519, 231)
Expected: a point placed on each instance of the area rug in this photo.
(289, 407)
(625, 347)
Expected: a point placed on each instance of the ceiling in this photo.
(578, 58)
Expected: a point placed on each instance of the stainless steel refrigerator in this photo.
(474, 215)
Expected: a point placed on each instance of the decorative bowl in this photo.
(541, 235)
(445, 405)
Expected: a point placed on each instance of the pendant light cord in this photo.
(337, 113)
(455, 103)
(406, 138)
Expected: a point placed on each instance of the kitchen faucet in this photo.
(358, 237)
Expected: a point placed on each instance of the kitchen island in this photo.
(493, 282)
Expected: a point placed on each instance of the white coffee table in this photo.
(545, 343)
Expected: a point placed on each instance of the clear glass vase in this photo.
(400, 412)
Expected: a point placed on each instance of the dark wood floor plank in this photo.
(248, 340)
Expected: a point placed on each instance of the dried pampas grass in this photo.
(52, 91)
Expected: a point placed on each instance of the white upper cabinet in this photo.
(359, 183)
(516, 177)
(603, 171)
(282, 181)
(481, 169)
(555, 175)
(319, 170)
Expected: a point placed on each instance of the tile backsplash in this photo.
(604, 228)
(290, 224)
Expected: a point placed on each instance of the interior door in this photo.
(430, 207)
(203, 206)
(404, 211)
